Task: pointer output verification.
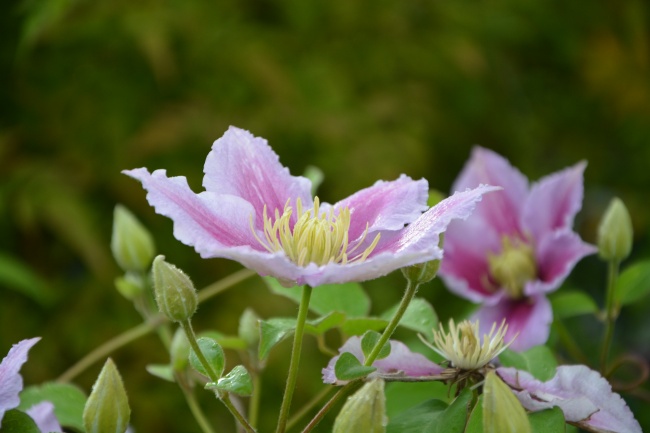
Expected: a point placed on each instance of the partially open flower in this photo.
(462, 345)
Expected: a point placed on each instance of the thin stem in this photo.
(409, 293)
(295, 359)
(570, 344)
(111, 345)
(254, 403)
(610, 315)
(193, 405)
(223, 284)
(350, 386)
(308, 407)
(223, 396)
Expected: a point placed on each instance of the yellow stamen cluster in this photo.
(316, 237)
(462, 345)
(514, 266)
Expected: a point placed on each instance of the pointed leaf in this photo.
(15, 421)
(68, 400)
(538, 361)
(348, 367)
(433, 416)
(238, 381)
(273, 331)
(419, 316)
(161, 371)
(325, 323)
(633, 283)
(370, 340)
(213, 353)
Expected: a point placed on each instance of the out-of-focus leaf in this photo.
(538, 361)
(272, 331)
(547, 421)
(433, 416)
(225, 341)
(348, 298)
(19, 276)
(68, 402)
(15, 421)
(161, 371)
(358, 326)
(325, 323)
(633, 283)
(572, 303)
(419, 316)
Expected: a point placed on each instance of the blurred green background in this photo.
(364, 90)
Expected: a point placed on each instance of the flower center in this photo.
(513, 266)
(462, 346)
(316, 237)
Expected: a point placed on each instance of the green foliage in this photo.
(348, 367)
(538, 361)
(433, 416)
(419, 316)
(213, 353)
(15, 421)
(68, 402)
(238, 381)
(633, 284)
(370, 340)
(572, 303)
(547, 421)
(18, 276)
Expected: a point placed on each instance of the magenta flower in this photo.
(401, 361)
(253, 211)
(584, 396)
(11, 383)
(517, 247)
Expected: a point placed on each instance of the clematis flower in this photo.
(401, 361)
(11, 383)
(517, 247)
(584, 396)
(253, 211)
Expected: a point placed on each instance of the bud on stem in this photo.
(175, 293)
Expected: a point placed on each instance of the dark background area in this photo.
(363, 90)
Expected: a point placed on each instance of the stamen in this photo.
(315, 237)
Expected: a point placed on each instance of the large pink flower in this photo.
(255, 212)
(517, 246)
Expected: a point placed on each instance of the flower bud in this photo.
(131, 243)
(249, 327)
(365, 411)
(422, 272)
(175, 293)
(615, 232)
(179, 350)
(107, 409)
(130, 285)
(502, 411)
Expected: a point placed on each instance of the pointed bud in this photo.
(175, 293)
(249, 327)
(502, 411)
(130, 285)
(179, 351)
(132, 244)
(615, 232)
(365, 411)
(107, 409)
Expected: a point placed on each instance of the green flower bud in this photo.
(249, 327)
(175, 293)
(615, 232)
(422, 272)
(365, 411)
(131, 243)
(107, 409)
(502, 411)
(179, 351)
(130, 285)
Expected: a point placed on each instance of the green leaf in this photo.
(17, 275)
(538, 361)
(348, 367)
(547, 421)
(572, 303)
(358, 326)
(370, 340)
(348, 298)
(273, 331)
(15, 421)
(433, 416)
(225, 341)
(475, 422)
(402, 395)
(213, 353)
(325, 323)
(419, 316)
(633, 283)
(68, 400)
(161, 371)
(237, 381)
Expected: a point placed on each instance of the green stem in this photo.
(409, 294)
(193, 405)
(224, 284)
(254, 403)
(295, 359)
(223, 396)
(610, 314)
(111, 345)
(570, 344)
(308, 407)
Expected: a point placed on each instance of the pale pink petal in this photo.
(205, 221)
(502, 210)
(43, 415)
(584, 396)
(417, 243)
(465, 266)
(385, 206)
(554, 201)
(528, 319)
(400, 361)
(245, 166)
(11, 382)
(557, 254)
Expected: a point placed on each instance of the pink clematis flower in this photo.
(517, 247)
(253, 211)
(11, 383)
